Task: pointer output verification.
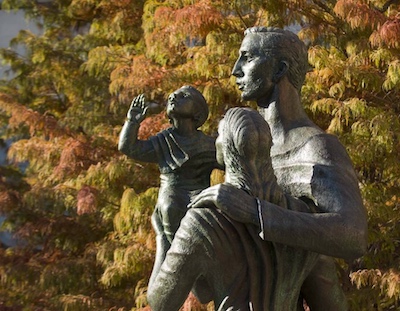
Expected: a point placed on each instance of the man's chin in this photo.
(262, 100)
(247, 97)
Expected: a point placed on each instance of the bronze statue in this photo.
(309, 164)
(185, 155)
(224, 260)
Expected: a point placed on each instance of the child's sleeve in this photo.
(130, 145)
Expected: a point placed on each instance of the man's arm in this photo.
(341, 231)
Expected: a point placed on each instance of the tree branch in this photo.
(240, 15)
(387, 5)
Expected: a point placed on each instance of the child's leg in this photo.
(173, 207)
(162, 244)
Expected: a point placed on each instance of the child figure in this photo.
(185, 155)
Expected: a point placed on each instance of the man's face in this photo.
(254, 71)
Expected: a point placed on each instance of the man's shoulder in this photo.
(316, 161)
(319, 152)
(312, 146)
(326, 149)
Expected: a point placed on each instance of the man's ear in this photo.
(282, 69)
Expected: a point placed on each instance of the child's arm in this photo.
(141, 150)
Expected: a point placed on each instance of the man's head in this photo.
(266, 55)
(188, 102)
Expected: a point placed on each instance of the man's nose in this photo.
(237, 69)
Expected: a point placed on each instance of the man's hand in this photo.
(232, 201)
(138, 110)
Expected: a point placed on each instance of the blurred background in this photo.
(75, 212)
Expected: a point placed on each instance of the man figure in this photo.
(309, 164)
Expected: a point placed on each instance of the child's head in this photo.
(187, 102)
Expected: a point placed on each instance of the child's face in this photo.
(181, 104)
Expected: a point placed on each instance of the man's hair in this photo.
(285, 46)
(201, 105)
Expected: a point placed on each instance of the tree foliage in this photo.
(82, 210)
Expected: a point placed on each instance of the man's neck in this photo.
(283, 111)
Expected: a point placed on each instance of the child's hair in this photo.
(246, 144)
(201, 104)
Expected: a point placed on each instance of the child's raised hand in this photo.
(138, 110)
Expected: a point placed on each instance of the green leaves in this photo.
(393, 76)
(87, 207)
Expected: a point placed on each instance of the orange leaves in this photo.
(386, 29)
(388, 34)
(145, 73)
(193, 21)
(152, 125)
(163, 15)
(44, 124)
(358, 14)
(87, 200)
(171, 30)
(192, 303)
(76, 156)
(141, 76)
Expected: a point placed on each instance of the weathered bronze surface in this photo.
(264, 239)
(185, 155)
